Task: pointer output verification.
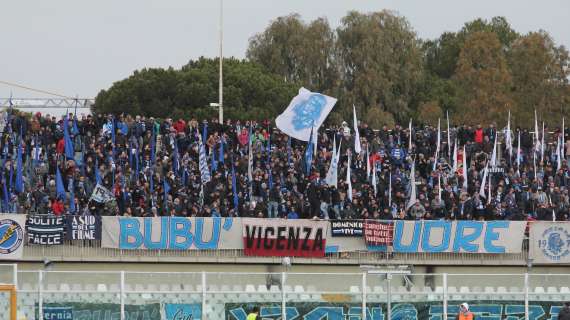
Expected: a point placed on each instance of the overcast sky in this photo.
(80, 47)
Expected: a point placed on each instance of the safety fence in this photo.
(371, 294)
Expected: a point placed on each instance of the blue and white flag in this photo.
(306, 111)
(204, 171)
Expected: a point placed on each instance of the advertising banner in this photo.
(549, 242)
(12, 232)
(284, 238)
(99, 311)
(45, 230)
(490, 310)
(83, 228)
(173, 233)
(459, 236)
(346, 228)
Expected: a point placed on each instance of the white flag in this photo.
(332, 173)
(483, 181)
(306, 110)
(558, 155)
(542, 144)
(464, 169)
(438, 144)
(101, 194)
(494, 154)
(413, 199)
(563, 144)
(489, 196)
(509, 137)
(374, 179)
(454, 159)
(357, 146)
(349, 191)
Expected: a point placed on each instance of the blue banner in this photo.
(179, 311)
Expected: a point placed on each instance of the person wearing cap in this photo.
(464, 313)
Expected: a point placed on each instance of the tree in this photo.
(483, 79)
(429, 113)
(380, 61)
(250, 91)
(540, 78)
(299, 52)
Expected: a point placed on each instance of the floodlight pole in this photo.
(221, 83)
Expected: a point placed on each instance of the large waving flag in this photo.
(306, 111)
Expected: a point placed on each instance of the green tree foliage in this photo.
(249, 91)
(483, 79)
(380, 59)
(374, 61)
(540, 77)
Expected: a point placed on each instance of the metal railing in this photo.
(22, 103)
(380, 291)
(90, 250)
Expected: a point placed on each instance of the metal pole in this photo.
(15, 276)
(283, 296)
(363, 295)
(122, 297)
(40, 294)
(203, 292)
(445, 296)
(526, 284)
(221, 82)
(389, 298)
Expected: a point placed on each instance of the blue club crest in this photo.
(555, 243)
(308, 111)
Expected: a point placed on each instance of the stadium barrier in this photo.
(372, 294)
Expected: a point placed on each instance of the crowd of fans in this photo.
(151, 166)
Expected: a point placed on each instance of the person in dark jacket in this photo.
(564, 313)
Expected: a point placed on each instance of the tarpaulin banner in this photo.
(174, 233)
(99, 311)
(45, 230)
(83, 227)
(12, 232)
(378, 234)
(284, 238)
(490, 310)
(549, 242)
(459, 236)
(346, 228)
